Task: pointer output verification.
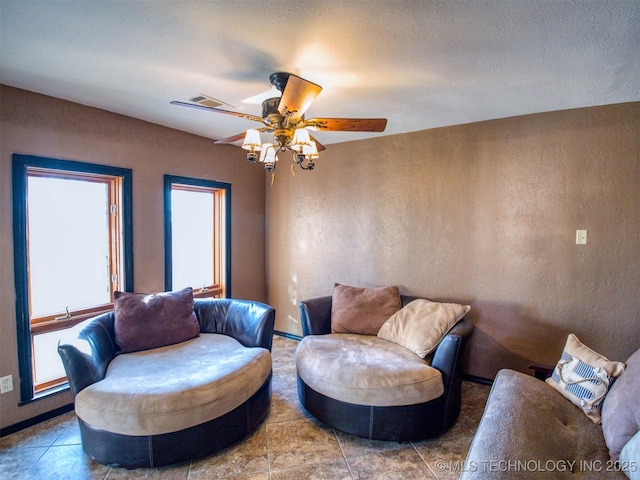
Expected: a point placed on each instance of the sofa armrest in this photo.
(447, 359)
(315, 316)
(251, 323)
(446, 356)
(88, 353)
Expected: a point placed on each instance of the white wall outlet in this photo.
(6, 384)
(581, 237)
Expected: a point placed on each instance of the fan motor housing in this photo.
(270, 109)
(279, 80)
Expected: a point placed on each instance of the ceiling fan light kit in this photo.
(284, 117)
(268, 157)
(252, 143)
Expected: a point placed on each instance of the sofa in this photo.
(143, 405)
(531, 430)
(374, 387)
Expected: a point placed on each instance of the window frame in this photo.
(225, 267)
(21, 167)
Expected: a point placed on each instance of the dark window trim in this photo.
(169, 180)
(20, 164)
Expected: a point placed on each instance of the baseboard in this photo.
(473, 378)
(287, 335)
(30, 422)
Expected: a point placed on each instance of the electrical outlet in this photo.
(6, 384)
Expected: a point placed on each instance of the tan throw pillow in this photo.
(156, 320)
(421, 324)
(584, 377)
(362, 310)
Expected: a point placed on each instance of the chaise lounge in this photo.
(371, 386)
(175, 398)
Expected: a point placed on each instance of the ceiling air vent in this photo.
(208, 101)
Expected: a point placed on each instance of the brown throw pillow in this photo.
(362, 310)
(156, 320)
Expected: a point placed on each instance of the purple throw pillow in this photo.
(155, 320)
(621, 408)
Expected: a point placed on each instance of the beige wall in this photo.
(484, 214)
(39, 125)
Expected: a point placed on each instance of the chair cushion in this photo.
(366, 370)
(171, 388)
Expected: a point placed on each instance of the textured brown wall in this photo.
(40, 125)
(484, 214)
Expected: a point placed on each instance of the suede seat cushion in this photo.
(621, 408)
(366, 370)
(362, 310)
(525, 420)
(171, 388)
(155, 320)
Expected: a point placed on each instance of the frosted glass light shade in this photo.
(311, 151)
(265, 147)
(252, 140)
(300, 140)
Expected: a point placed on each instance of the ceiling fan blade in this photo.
(347, 124)
(239, 136)
(232, 139)
(255, 118)
(319, 146)
(297, 96)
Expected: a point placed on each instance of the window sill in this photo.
(50, 392)
(64, 323)
(209, 293)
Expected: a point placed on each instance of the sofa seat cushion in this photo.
(527, 421)
(366, 370)
(171, 388)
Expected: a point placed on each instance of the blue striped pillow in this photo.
(584, 377)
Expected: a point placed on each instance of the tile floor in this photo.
(289, 444)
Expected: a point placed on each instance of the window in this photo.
(72, 242)
(197, 235)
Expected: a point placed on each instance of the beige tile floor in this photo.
(289, 444)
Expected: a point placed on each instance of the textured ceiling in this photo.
(421, 64)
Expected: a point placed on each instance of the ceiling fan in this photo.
(284, 117)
